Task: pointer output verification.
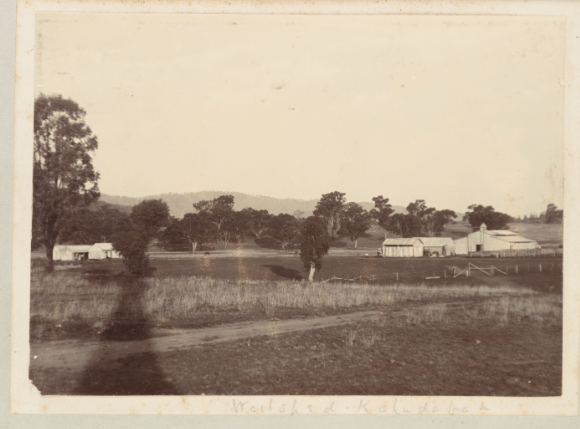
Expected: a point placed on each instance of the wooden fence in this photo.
(519, 253)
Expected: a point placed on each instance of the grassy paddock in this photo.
(67, 297)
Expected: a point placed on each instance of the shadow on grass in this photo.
(287, 273)
(138, 374)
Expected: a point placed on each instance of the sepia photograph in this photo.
(252, 205)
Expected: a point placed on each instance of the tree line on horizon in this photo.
(65, 193)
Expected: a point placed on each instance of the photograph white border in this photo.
(25, 398)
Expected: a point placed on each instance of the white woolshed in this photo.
(443, 246)
(69, 252)
(486, 240)
(103, 251)
(402, 248)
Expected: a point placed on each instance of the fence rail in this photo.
(519, 253)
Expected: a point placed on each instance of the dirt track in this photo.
(76, 354)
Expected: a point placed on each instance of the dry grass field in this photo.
(477, 335)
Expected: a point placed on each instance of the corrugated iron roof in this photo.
(104, 246)
(501, 232)
(436, 241)
(80, 248)
(401, 241)
(514, 239)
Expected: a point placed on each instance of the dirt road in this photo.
(76, 354)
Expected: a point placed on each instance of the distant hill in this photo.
(179, 204)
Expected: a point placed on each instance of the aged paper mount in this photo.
(25, 398)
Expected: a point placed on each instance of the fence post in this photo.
(492, 270)
(540, 266)
(397, 276)
(445, 274)
(517, 269)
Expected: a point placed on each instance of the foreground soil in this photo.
(375, 355)
(324, 351)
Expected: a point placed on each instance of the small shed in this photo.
(402, 248)
(440, 246)
(103, 251)
(70, 252)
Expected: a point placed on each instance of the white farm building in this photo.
(402, 248)
(442, 246)
(103, 251)
(486, 240)
(417, 246)
(70, 252)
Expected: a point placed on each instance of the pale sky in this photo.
(454, 110)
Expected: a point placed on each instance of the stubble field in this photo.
(477, 335)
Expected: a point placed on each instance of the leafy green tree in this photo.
(64, 179)
(553, 215)
(135, 233)
(313, 244)
(382, 212)
(479, 214)
(329, 208)
(354, 222)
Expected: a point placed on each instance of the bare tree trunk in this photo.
(193, 246)
(49, 249)
(356, 243)
(312, 270)
(50, 237)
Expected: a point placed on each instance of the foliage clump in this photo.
(136, 231)
(313, 244)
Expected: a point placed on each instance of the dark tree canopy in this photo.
(329, 208)
(479, 214)
(420, 221)
(256, 222)
(91, 225)
(286, 229)
(171, 237)
(238, 224)
(401, 225)
(64, 179)
(354, 222)
(220, 210)
(553, 215)
(382, 211)
(313, 244)
(433, 223)
(135, 233)
(193, 230)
